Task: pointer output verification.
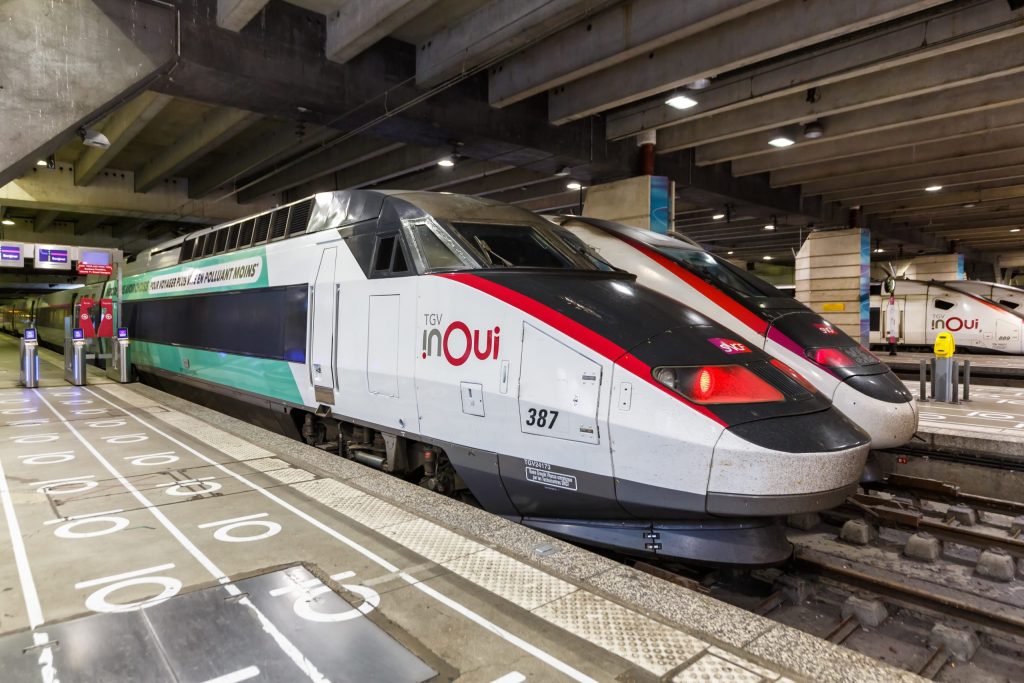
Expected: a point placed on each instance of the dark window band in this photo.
(267, 323)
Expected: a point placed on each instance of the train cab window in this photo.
(390, 257)
(876, 289)
(876, 319)
(1012, 305)
(943, 305)
(222, 240)
(512, 246)
(433, 248)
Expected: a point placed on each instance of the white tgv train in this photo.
(928, 308)
(1006, 296)
(859, 384)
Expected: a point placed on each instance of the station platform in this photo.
(148, 538)
(984, 366)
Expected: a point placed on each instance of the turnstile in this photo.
(120, 367)
(28, 366)
(74, 358)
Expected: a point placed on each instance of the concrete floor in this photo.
(119, 498)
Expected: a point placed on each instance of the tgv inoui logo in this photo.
(457, 342)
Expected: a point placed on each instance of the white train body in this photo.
(1010, 298)
(928, 308)
(864, 390)
(393, 324)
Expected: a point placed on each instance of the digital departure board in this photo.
(50, 257)
(12, 255)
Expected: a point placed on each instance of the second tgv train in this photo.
(927, 308)
(1007, 296)
(464, 344)
(859, 384)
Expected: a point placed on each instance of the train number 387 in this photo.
(542, 418)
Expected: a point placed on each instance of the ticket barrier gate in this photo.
(120, 367)
(74, 358)
(28, 365)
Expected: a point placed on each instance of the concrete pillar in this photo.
(67, 62)
(645, 202)
(832, 278)
(939, 267)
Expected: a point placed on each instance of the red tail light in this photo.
(831, 358)
(794, 375)
(716, 384)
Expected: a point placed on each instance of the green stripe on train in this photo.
(272, 378)
(238, 270)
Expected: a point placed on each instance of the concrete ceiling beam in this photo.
(548, 188)
(972, 65)
(947, 151)
(970, 163)
(598, 42)
(217, 128)
(497, 29)
(315, 164)
(566, 202)
(44, 220)
(114, 195)
(385, 167)
(88, 223)
(939, 108)
(438, 178)
(235, 14)
(357, 24)
(939, 199)
(946, 29)
(957, 127)
(770, 32)
(281, 63)
(509, 180)
(120, 128)
(287, 140)
(951, 181)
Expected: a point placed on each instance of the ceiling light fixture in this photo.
(773, 224)
(730, 253)
(780, 141)
(573, 185)
(562, 172)
(446, 162)
(813, 130)
(970, 205)
(933, 188)
(1011, 229)
(7, 221)
(717, 216)
(699, 84)
(678, 101)
(766, 257)
(879, 250)
(41, 162)
(93, 138)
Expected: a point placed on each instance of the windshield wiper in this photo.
(488, 253)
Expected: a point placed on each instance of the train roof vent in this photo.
(186, 250)
(299, 217)
(245, 234)
(262, 228)
(279, 223)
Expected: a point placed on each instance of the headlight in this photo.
(717, 384)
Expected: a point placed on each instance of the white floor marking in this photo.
(85, 516)
(512, 677)
(236, 676)
(126, 575)
(374, 557)
(293, 653)
(46, 668)
(28, 586)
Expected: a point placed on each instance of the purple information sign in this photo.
(9, 253)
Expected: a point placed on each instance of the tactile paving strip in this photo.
(125, 394)
(431, 541)
(290, 475)
(354, 504)
(634, 637)
(227, 443)
(712, 669)
(518, 583)
(743, 663)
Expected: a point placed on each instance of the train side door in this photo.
(323, 330)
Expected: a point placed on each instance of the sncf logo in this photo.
(955, 324)
(729, 346)
(825, 328)
(457, 342)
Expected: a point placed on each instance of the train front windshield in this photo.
(758, 295)
(459, 245)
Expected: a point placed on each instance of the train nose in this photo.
(816, 459)
(881, 405)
